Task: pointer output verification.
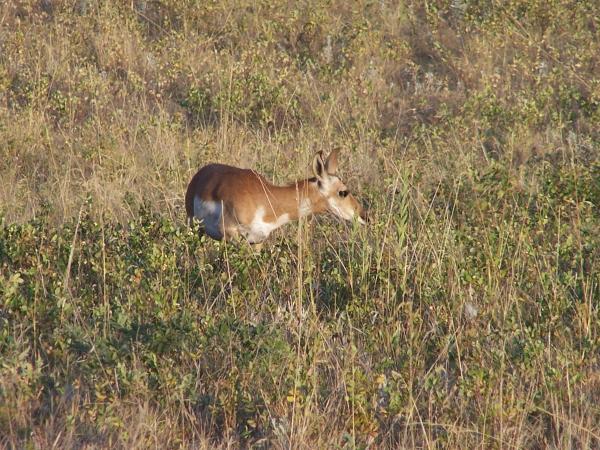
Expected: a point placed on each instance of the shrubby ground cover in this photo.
(465, 315)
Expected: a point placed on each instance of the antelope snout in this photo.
(363, 216)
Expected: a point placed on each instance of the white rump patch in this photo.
(209, 213)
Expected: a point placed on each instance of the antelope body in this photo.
(232, 202)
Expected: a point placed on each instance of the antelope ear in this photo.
(318, 166)
(332, 162)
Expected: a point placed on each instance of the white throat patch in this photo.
(305, 207)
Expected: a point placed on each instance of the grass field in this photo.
(465, 315)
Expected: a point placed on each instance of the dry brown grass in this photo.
(465, 316)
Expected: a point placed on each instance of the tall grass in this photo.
(465, 315)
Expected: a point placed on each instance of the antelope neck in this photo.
(297, 199)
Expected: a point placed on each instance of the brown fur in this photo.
(249, 205)
(242, 191)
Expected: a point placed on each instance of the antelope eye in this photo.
(343, 193)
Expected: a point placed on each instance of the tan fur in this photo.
(241, 193)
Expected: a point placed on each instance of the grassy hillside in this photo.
(466, 315)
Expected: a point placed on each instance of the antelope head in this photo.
(338, 199)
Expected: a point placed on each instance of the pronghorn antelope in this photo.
(232, 202)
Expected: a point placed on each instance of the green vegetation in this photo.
(466, 315)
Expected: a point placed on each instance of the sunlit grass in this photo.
(465, 315)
